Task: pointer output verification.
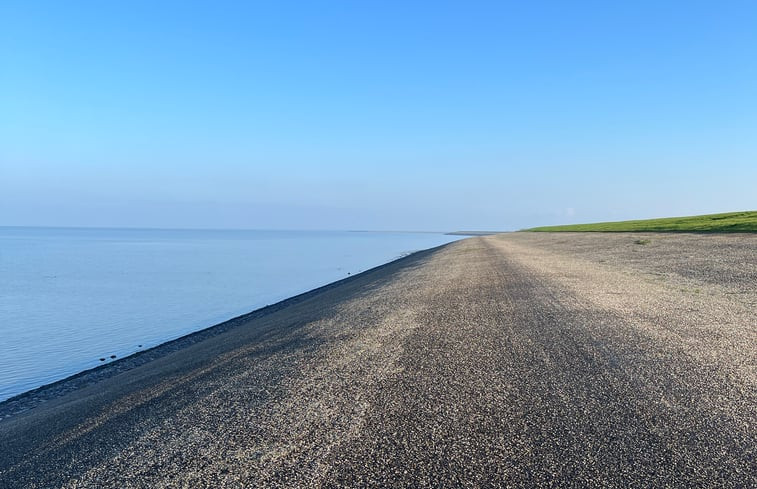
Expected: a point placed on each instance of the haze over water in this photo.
(69, 297)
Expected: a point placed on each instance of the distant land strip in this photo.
(729, 222)
(472, 233)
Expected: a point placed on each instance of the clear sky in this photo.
(374, 115)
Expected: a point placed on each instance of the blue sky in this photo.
(374, 115)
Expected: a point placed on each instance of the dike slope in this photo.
(522, 359)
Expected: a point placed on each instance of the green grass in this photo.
(730, 222)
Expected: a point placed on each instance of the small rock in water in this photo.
(139, 346)
(102, 359)
(112, 356)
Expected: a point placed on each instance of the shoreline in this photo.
(512, 358)
(28, 400)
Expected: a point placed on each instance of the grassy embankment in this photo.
(730, 222)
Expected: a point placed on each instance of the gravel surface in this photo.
(516, 360)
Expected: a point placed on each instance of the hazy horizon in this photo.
(424, 117)
(137, 228)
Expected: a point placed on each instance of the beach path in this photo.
(521, 359)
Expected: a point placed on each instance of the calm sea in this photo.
(69, 297)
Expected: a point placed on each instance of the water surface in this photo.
(69, 297)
